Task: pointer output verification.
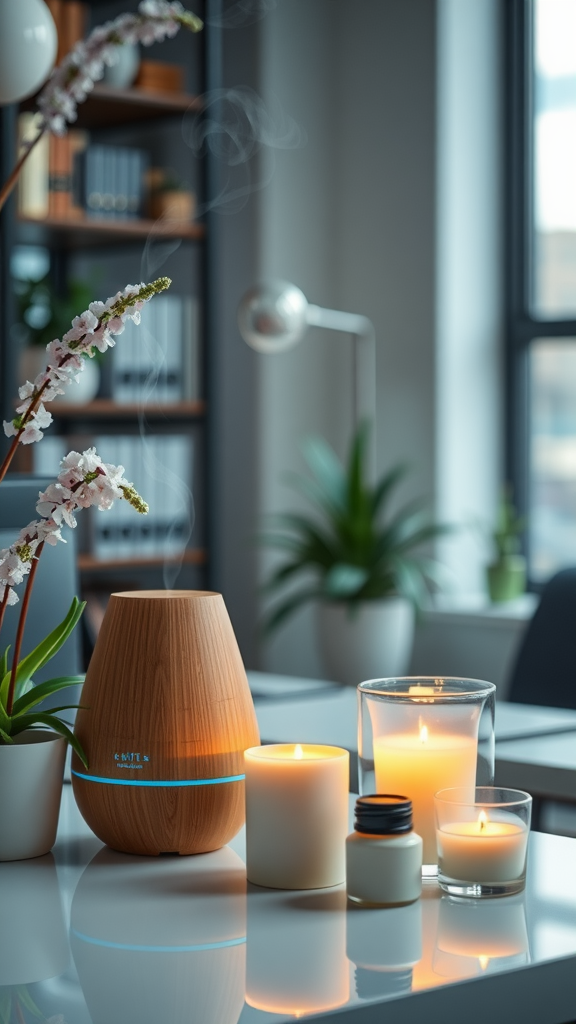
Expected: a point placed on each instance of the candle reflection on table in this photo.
(296, 957)
(480, 936)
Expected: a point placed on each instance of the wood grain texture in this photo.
(166, 683)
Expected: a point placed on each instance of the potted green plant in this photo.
(44, 315)
(170, 196)
(26, 732)
(360, 561)
(506, 575)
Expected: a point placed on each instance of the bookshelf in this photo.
(112, 253)
(80, 234)
(107, 106)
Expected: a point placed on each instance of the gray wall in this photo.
(388, 206)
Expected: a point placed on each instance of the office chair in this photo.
(545, 669)
(55, 585)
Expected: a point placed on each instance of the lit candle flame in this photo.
(423, 733)
(482, 819)
(298, 754)
(483, 961)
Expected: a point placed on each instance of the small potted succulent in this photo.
(362, 563)
(506, 575)
(170, 197)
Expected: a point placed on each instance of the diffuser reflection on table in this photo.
(296, 958)
(476, 937)
(168, 717)
(161, 939)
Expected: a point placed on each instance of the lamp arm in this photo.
(364, 338)
(336, 320)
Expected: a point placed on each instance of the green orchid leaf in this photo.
(5, 737)
(42, 690)
(25, 999)
(38, 719)
(4, 662)
(45, 650)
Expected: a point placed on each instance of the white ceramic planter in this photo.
(31, 773)
(121, 74)
(373, 643)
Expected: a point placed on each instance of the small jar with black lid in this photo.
(383, 854)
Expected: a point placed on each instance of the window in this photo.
(542, 283)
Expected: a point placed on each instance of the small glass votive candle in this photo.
(482, 837)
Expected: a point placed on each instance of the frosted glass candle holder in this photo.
(482, 840)
(418, 735)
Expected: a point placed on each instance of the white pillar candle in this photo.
(296, 815)
(483, 850)
(417, 765)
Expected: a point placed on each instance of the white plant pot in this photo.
(372, 642)
(121, 74)
(31, 773)
(33, 361)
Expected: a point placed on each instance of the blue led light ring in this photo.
(158, 782)
(225, 944)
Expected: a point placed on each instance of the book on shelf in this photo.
(46, 185)
(33, 181)
(160, 467)
(62, 163)
(111, 182)
(70, 19)
(158, 361)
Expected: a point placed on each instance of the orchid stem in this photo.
(9, 456)
(4, 604)
(20, 631)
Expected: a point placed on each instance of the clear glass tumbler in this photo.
(482, 838)
(418, 735)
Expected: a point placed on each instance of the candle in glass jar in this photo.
(483, 850)
(418, 765)
(296, 815)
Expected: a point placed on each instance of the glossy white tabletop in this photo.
(90, 936)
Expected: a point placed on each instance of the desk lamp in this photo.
(274, 316)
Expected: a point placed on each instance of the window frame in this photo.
(522, 327)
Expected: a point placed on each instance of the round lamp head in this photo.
(28, 45)
(272, 316)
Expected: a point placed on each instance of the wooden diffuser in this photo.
(168, 715)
